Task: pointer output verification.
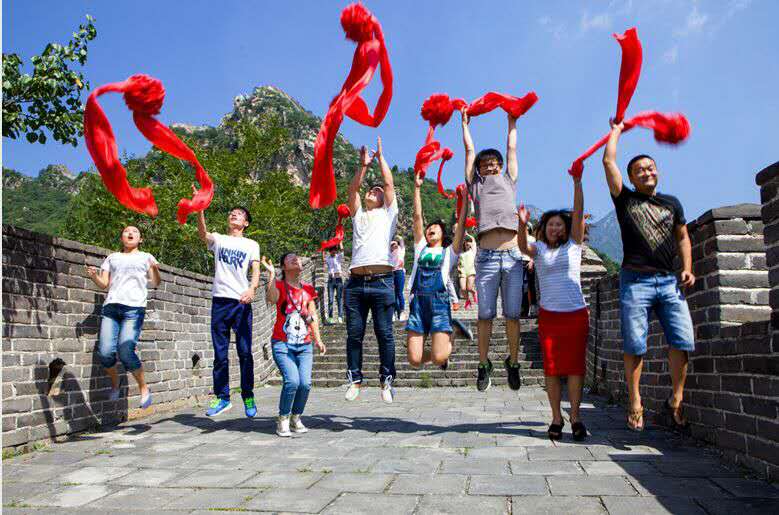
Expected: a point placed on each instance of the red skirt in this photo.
(563, 338)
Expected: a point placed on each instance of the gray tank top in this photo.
(493, 200)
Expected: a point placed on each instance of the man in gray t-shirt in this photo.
(499, 264)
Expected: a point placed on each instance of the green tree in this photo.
(50, 98)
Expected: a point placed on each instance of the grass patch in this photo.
(425, 380)
(103, 451)
(305, 469)
(71, 484)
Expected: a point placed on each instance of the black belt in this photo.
(371, 277)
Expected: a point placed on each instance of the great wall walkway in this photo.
(436, 450)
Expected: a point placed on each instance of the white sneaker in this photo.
(353, 392)
(114, 394)
(282, 426)
(387, 391)
(340, 320)
(297, 425)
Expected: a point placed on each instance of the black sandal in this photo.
(672, 413)
(579, 431)
(555, 431)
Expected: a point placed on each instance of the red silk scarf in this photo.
(343, 212)
(363, 28)
(144, 96)
(672, 128)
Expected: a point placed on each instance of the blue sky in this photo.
(715, 61)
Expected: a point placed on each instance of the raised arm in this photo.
(470, 153)
(613, 175)
(577, 225)
(511, 149)
(523, 216)
(354, 187)
(386, 175)
(685, 253)
(459, 233)
(418, 224)
(101, 278)
(272, 293)
(205, 236)
(154, 273)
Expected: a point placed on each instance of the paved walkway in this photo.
(434, 451)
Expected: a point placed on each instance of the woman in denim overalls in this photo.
(429, 310)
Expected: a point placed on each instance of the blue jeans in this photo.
(639, 294)
(504, 271)
(120, 328)
(399, 278)
(376, 295)
(227, 314)
(335, 289)
(294, 362)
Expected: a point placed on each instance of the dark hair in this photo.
(637, 158)
(376, 185)
(567, 220)
(246, 212)
(445, 239)
(486, 153)
(281, 263)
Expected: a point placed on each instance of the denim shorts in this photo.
(120, 329)
(504, 271)
(639, 294)
(430, 313)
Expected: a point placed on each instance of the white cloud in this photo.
(556, 29)
(671, 55)
(597, 21)
(694, 23)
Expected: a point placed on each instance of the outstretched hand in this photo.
(92, 271)
(365, 157)
(619, 127)
(523, 215)
(418, 180)
(465, 118)
(379, 149)
(267, 264)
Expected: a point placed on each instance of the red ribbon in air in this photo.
(672, 128)
(144, 96)
(343, 212)
(363, 28)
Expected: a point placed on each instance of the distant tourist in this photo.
(563, 320)
(499, 264)
(126, 276)
(371, 285)
(334, 263)
(429, 310)
(231, 306)
(466, 270)
(295, 329)
(398, 253)
(654, 233)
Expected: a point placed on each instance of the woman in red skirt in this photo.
(563, 320)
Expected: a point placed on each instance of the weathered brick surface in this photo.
(731, 394)
(51, 311)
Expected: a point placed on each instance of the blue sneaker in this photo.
(217, 407)
(249, 407)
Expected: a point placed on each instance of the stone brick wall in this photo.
(53, 383)
(732, 388)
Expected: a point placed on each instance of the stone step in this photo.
(432, 380)
(454, 364)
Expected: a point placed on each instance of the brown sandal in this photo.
(636, 420)
(676, 415)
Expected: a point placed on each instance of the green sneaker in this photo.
(250, 407)
(483, 382)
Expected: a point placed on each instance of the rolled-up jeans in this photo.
(499, 270)
(377, 295)
(120, 328)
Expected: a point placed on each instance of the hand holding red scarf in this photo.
(670, 128)
(144, 96)
(363, 28)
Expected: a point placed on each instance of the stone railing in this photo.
(732, 384)
(53, 383)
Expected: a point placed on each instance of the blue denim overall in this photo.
(429, 311)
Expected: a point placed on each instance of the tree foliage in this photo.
(50, 98)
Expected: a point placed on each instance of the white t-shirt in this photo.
(559, 276)
(449, 260)
(398, 257)
(372, 232)
(129, 277)
(232, 257)
(334, 264)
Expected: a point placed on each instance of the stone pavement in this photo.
(440, 450)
